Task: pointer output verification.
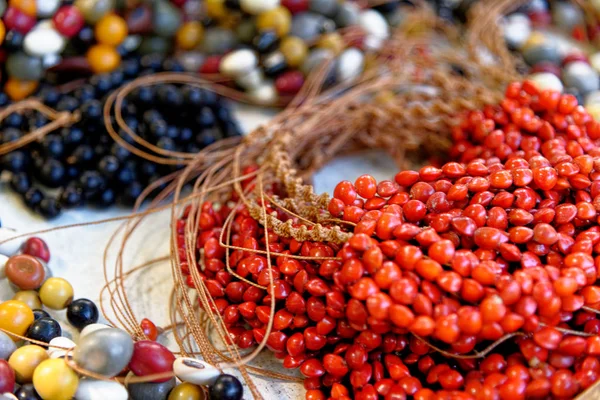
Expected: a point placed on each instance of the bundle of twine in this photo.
(419, 84)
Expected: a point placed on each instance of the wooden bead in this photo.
(25, 271)
(294, 50)
(15, 317)
(111, 30)
(29, 297)
(103, 58)
(53, 379)
(18, 90)
(278, 19)
(25, 360)
(56, 293)
(26, 6)
(186, 391)
(189, 35)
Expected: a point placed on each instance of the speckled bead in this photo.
(195, 371)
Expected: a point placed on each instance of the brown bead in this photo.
(25, 271)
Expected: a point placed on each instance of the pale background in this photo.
(76, 254)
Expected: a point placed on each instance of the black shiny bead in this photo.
(232, 4)
(274, 64)
(108, 166)
(185, 134)
(158, 128)
(83, 154)
(72, 136)
(132, 123)
(173, 132)
(117, 77)
(86, 35)
(208, 137)
(91, 182)
(106, 198)
(4, 99)
(126, 175)
(170, 95)
(13, 120)
(44, 330)
(387, 6)
(172, 65)
(50, 96)
(226, 387)
(131, 67)
(15, 161)
(27, 392)
(39, 313)
(132, 192)
(10, 135)
(37, 121)
(67, 103)
(52, 173)
(210, 98)
(72, 171)
(120, 152)
(148, 168)
(266, 41)
(144, 95)
(151, 61)
(53, 145)
(101, 82)
(81, 313)
(193, 96)
(33, 197)
(85, 93)
(224, 115)
(166, 143)
(13, 41)
(91, 110)
(71, 196)
(206, 117)
(49, 207)
(20, 182)
(232, 129)
(151, 116)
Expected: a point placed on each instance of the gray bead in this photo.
(24, 67)
(218, 40)
(155, 44)
(7, 346)
(347, 15)
(323, 7)
(542, 52)
(246, 30)
(581, 76)
(150, 390)
(309, 26)
(105, 352)
(167, 19)
(566, 15)
(8, 396)
(2, 7)
(314, 59)
(517, 29)
(45, 8)
(93, 10)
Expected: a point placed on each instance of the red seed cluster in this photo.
(474, 280)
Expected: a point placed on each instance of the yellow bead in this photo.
(230, 21)
(29, 297)
(18, 90)
(216, 8)
(54, 380)
(331, 41)
(103, 58)
(294, 50)
(2, 32)
(25, 360)
(278, 19)
(15, 317)
(26, 6)
(186, 391)
(189, 35)
(111, 30)
(56, 293)
(535, 39)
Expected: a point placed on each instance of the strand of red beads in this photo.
(471, 280)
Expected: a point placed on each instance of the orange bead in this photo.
(18, 90)
(189, 35)
(103, 58)
(2, 32)
(26, 6)
(111, 30)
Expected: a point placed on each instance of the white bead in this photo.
(92, 389)
(266, 94)
(60, 341)
(595, 61)
(252, 80)
(91, 328)
(350, 65)
(46, 8)
(517, 29)
(195, 371)
(42, 41)
(3, 260)
(11, 247)
(256, 7)
(546, 81)
(238, 62)
(376, 28)
(8, 396)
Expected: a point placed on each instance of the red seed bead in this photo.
(149, 358)
(366, 186)
(68, 21)
(149, 329)
(289, 83)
